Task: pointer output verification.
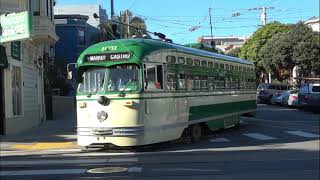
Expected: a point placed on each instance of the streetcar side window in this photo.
(171, 59)
(181, 60)
(211, 84)
(216, 65)
(189, 61)
(153, 77)
(171, 82)
(181, 81)
(196, 83)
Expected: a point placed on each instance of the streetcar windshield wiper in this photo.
(93, 90)
(122, 94)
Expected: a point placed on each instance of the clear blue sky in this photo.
(175, 17)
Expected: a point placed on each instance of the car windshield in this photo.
(92, 80)
(123, 78)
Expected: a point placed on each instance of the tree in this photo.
(251, 49)
(121, 31)
(299, 46)
(234, 52)
(139, 23)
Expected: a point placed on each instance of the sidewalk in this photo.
(59, 134)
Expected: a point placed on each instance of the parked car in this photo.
(278, 97)
(290, 98)
(309, 95)
(265, 91)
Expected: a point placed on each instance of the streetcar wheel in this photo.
(196, 132)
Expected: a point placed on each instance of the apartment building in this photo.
(26, 48)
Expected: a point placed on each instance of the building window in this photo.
(16, 91)
(81, 37)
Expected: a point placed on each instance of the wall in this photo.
(62, 105)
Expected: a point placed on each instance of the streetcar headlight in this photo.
(102, 116)
(104, 100)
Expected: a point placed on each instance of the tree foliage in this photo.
(108, 33)
(299, 46)
(251, 49)
(234, 52)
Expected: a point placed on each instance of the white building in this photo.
(313, 23)
(224, 43)
(84, 9)
(22, 103)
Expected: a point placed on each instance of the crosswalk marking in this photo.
(303, 134)
(42, 172)
(219, 140)
(259, 136)
(76, 161)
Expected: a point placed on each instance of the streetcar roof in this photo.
(142, 47)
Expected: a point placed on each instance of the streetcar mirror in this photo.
(69, 74)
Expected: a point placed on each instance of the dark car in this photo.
(309, 95)
(266, 91)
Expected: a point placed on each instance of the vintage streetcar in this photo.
(134, 92)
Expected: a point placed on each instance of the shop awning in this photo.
(3, 57)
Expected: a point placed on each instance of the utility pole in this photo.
(264, 16)
(127, 21)
(212, 42)
(112, 10)
(113, 25)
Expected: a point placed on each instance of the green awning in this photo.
(3, 57)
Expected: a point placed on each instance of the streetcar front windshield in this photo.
(93, 80)
(123, 78)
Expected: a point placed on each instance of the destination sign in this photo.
(108, 57)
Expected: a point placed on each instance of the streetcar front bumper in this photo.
(120, 136)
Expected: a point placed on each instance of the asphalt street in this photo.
(278, 143)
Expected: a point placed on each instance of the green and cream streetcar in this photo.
(135, 92)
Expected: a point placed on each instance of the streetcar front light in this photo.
(82, 104)
(102, 116)
(104, 100)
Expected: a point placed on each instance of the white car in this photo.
(290, 98)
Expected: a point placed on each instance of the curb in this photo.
(43, 146)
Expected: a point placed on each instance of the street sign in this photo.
(15, 26)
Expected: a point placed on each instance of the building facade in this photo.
(313, 23)
(75, 36)
(22, 103)
(86, 10)
(224, 43)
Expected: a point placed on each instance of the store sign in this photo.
(15, 26)
(108, 57)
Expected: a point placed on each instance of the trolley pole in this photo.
(212, 42)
